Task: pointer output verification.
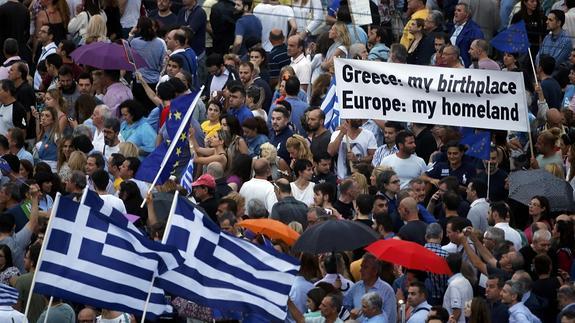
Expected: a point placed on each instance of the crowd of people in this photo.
(261, 149)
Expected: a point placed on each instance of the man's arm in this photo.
(295, 313)
(237, 44)
(483, 251)
(473, 257)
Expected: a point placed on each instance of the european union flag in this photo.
(478, 142)
(150, 166)
(513, 39)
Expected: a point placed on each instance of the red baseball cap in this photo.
(205, 180)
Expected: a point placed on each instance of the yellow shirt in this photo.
(117, 181)
(210, 130)
(407, 38)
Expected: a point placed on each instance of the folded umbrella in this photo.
(525, 184)
(409, 255)
(272, 229)
(108, 56)
(335, 236)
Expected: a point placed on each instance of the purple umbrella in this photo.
(108, 56)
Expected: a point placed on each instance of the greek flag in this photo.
(224, 272)
(95, 259)
(8, 295)
(330, 107)
(188, 175)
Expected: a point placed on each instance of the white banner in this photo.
(432, 95)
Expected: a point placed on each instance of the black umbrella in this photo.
(335, 236)
(525, 184)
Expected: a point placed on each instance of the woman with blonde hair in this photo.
(240, 202)
(216, 151)
(54, 99)
(298, 148)
(279, 166)
(47, 135)
(340, 47)
(96, 30)
(128, 149)
(77, 161)
(361, 182)
(64, 151)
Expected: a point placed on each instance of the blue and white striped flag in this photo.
(8, 295)
(330, 107)
(188, 175)
(224, 272)
(91, 258)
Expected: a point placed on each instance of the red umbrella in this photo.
(409, 254)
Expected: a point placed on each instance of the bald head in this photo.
(215, 169)
(276, 36)
(87, 315)
(410, 204)
(408, 208)
(554, 117)
(261, 168)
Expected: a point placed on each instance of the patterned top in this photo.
(438, 282)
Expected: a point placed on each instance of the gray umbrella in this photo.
(162, 204)
(525, 184)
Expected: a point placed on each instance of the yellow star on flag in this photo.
(177, 163)
(183, 136)
(178, 151)
(178, 115)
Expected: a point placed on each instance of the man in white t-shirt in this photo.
(259, 187)
(272, 14)
(499, 217)
(100, 179)
(351, 144)
(301, 65)
(405, 162)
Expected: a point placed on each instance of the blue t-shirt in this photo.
(250, 28)
(465, 173)
(242, 113)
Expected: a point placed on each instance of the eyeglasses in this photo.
(395, 182)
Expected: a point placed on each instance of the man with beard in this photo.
(405, 162)
(68, 86)
(248, 27)
(219, 74)
(316, 131)
(280, 131)
(111, 140)
(351, 144)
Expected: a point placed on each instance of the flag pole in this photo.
(48, 309)
(527, 108)
(85, 191)
(164, 240)
(42, 249)
(488, 176)
(183, 125)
